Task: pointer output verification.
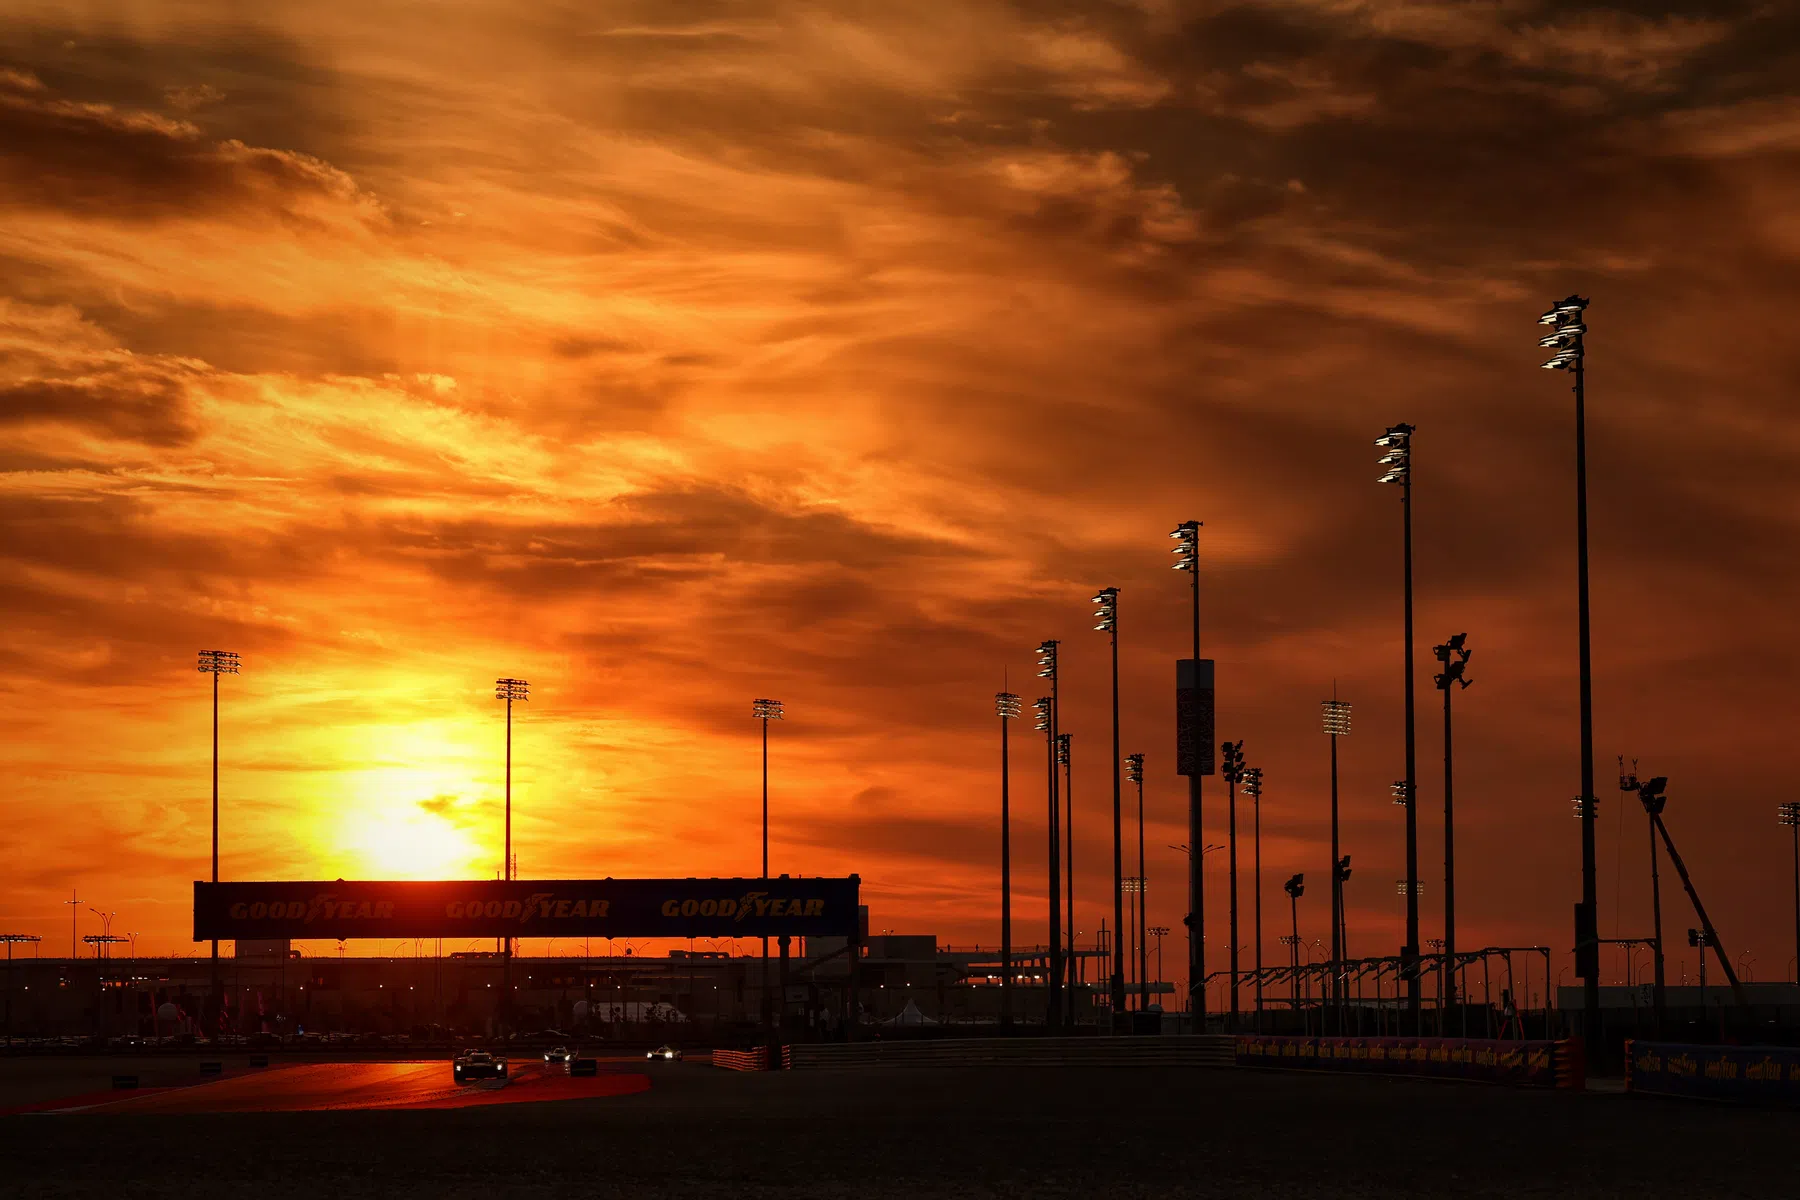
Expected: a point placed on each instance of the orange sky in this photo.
(670, 355)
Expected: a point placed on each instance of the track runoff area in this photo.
(619, 908)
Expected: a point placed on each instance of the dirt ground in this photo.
(879, 1133)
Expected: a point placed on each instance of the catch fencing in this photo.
(1179, 1051)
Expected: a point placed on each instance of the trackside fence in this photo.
(1743, 1074)
(742, 1060)
(1549, 1064)
(1188, 1051)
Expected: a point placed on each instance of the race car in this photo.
(558, 1054)
(478, 1064)
(666, 1053)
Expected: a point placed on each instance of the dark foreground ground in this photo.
(1025, 1132)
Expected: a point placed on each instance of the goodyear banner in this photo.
(1758, 1074)
(677, 908)
(1526, 1064)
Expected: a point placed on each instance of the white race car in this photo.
(666, 1053)
(558, 1054)
(478, 1064)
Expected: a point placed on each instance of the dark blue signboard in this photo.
(1756, 1074)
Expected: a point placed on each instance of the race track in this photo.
(341, 1086)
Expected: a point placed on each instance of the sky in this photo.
(669, 355)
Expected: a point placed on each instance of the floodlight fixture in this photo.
(1568, 335)
(1397, 441)
(1402, 792)
(1187, 549)
(1231, 760)
(1108, 611)
(1007, 706)
(1134, 767)
(1042, 706)
(1336, 716)
(1400, 887)
(218, 662)
(1789, 812)
(1062, 748)
(766, 710)
(1132, 883)
(1046, 653)
(1295, 886)
(1252, 782)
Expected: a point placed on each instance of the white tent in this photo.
(910, 1015)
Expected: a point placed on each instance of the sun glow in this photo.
(408, 840)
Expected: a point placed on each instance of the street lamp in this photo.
(1568, 341)
(1107, 599)
(1134, 771)
(1231, 766)
(1006, 705)
(1062, 910)
(216, 663)
(1187, 558)
(1454, 655)
(1336, 717)
(1253, 789)
(1790, 816)
(1046, 725)
(766, 711)
(1397, 442)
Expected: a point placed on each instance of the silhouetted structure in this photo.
(1454, 655)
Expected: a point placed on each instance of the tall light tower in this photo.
(766, 711)
(509, 690)
(1006, 705)
(11, 940)
(1231, 765)
(1568, 340)
(1107, 599)
(1790, 816)
(1134, 771)
(1295, 887)
(1187, 558)
(1454, 655)
(1253, 789)
(1397, 442)
(1336, 714)
(1048, 718)
(1046, 708)
(216, 663)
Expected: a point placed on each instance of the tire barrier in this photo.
(1555, 1064)
(742, 1060)
(1740, 1074)
(1177, 1051)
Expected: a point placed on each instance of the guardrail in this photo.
(742, 1060)
(1555, 1064)
(1744, 1074)
(1184, 1051)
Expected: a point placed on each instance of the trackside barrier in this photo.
(1555, 1064)
(1188, 1051)
(742, 1060)
(1744, 1074)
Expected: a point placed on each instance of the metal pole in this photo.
(1143, 906)
(1797, 902)
(1119, 942)
(1449, 853)
(1053, 992)
(1231, 858)
(767, 1006)
(1657, 994)
(1006, 971)
(215, 827)
(1294, 945)
(1337, 896)
(1256, 808)
(1589, 888)
(1070, 961)
(1409, 953)
(1196, 859)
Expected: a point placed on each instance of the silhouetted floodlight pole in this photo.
(1158, 932)
(1295, 887)
(1397, 442)
(1454, 655)
(1134, 771)
(11, 940)
(1108, 613)
(1046, 709)
(1006, 705)
(509, 690)
(1253, 789)
(1133, 886)
(1065, 759)
(1336, 716)
(766, 711)
(1231, 766)
(1568, 341)
(1062, 920)
(1790, 816)
(216, 663)
(1187, 558)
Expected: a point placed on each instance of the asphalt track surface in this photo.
(887, 1133)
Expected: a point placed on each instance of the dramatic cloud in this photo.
(669, 356)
